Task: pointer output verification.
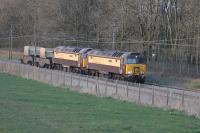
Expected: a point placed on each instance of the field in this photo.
(28, 106)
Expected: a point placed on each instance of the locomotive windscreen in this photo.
(135, 58)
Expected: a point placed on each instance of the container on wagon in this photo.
(31, 50)
(46, 53)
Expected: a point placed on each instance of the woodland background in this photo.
(167, 32)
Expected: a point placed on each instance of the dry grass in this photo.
(4, 54)
(194, 84)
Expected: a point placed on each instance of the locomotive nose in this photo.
(136, 70)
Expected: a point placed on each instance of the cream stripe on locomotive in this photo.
(66, 56)
(104, 61)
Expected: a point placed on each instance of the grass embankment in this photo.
(30, 107)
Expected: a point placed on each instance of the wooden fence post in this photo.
(98, 89)
(8, 68)
(79, 81)
(38, 73)
(87, 81)
(167, 97)
(1, 67)
(23, 75)
(183, 99)
(52, 77)
(139, 99)
(96, 86)
(4, 67)
(47, 76)
(116, 84)
(153, 95)
(14, 69)
(17, 69)
(20, 70)
(33, 73)
(2, 64)
(127, 89)
(71, 81)
(64, 79)
(28, 73)
(58, 74)
(106, 89)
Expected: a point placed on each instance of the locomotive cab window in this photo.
(135, 59)
(131, 61)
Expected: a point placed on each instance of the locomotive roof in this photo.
(106, 53)
(68, 49)
(98, 52)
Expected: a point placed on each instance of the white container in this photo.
(31, 50)
(26, 50)
(34, 51)
(46, 53)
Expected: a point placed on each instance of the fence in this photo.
(155, 96)
(174, 68)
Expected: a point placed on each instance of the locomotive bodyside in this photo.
(104, 64)
(71, 57)
(116, 64)
(65, 57)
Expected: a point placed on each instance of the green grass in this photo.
(30, 107)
